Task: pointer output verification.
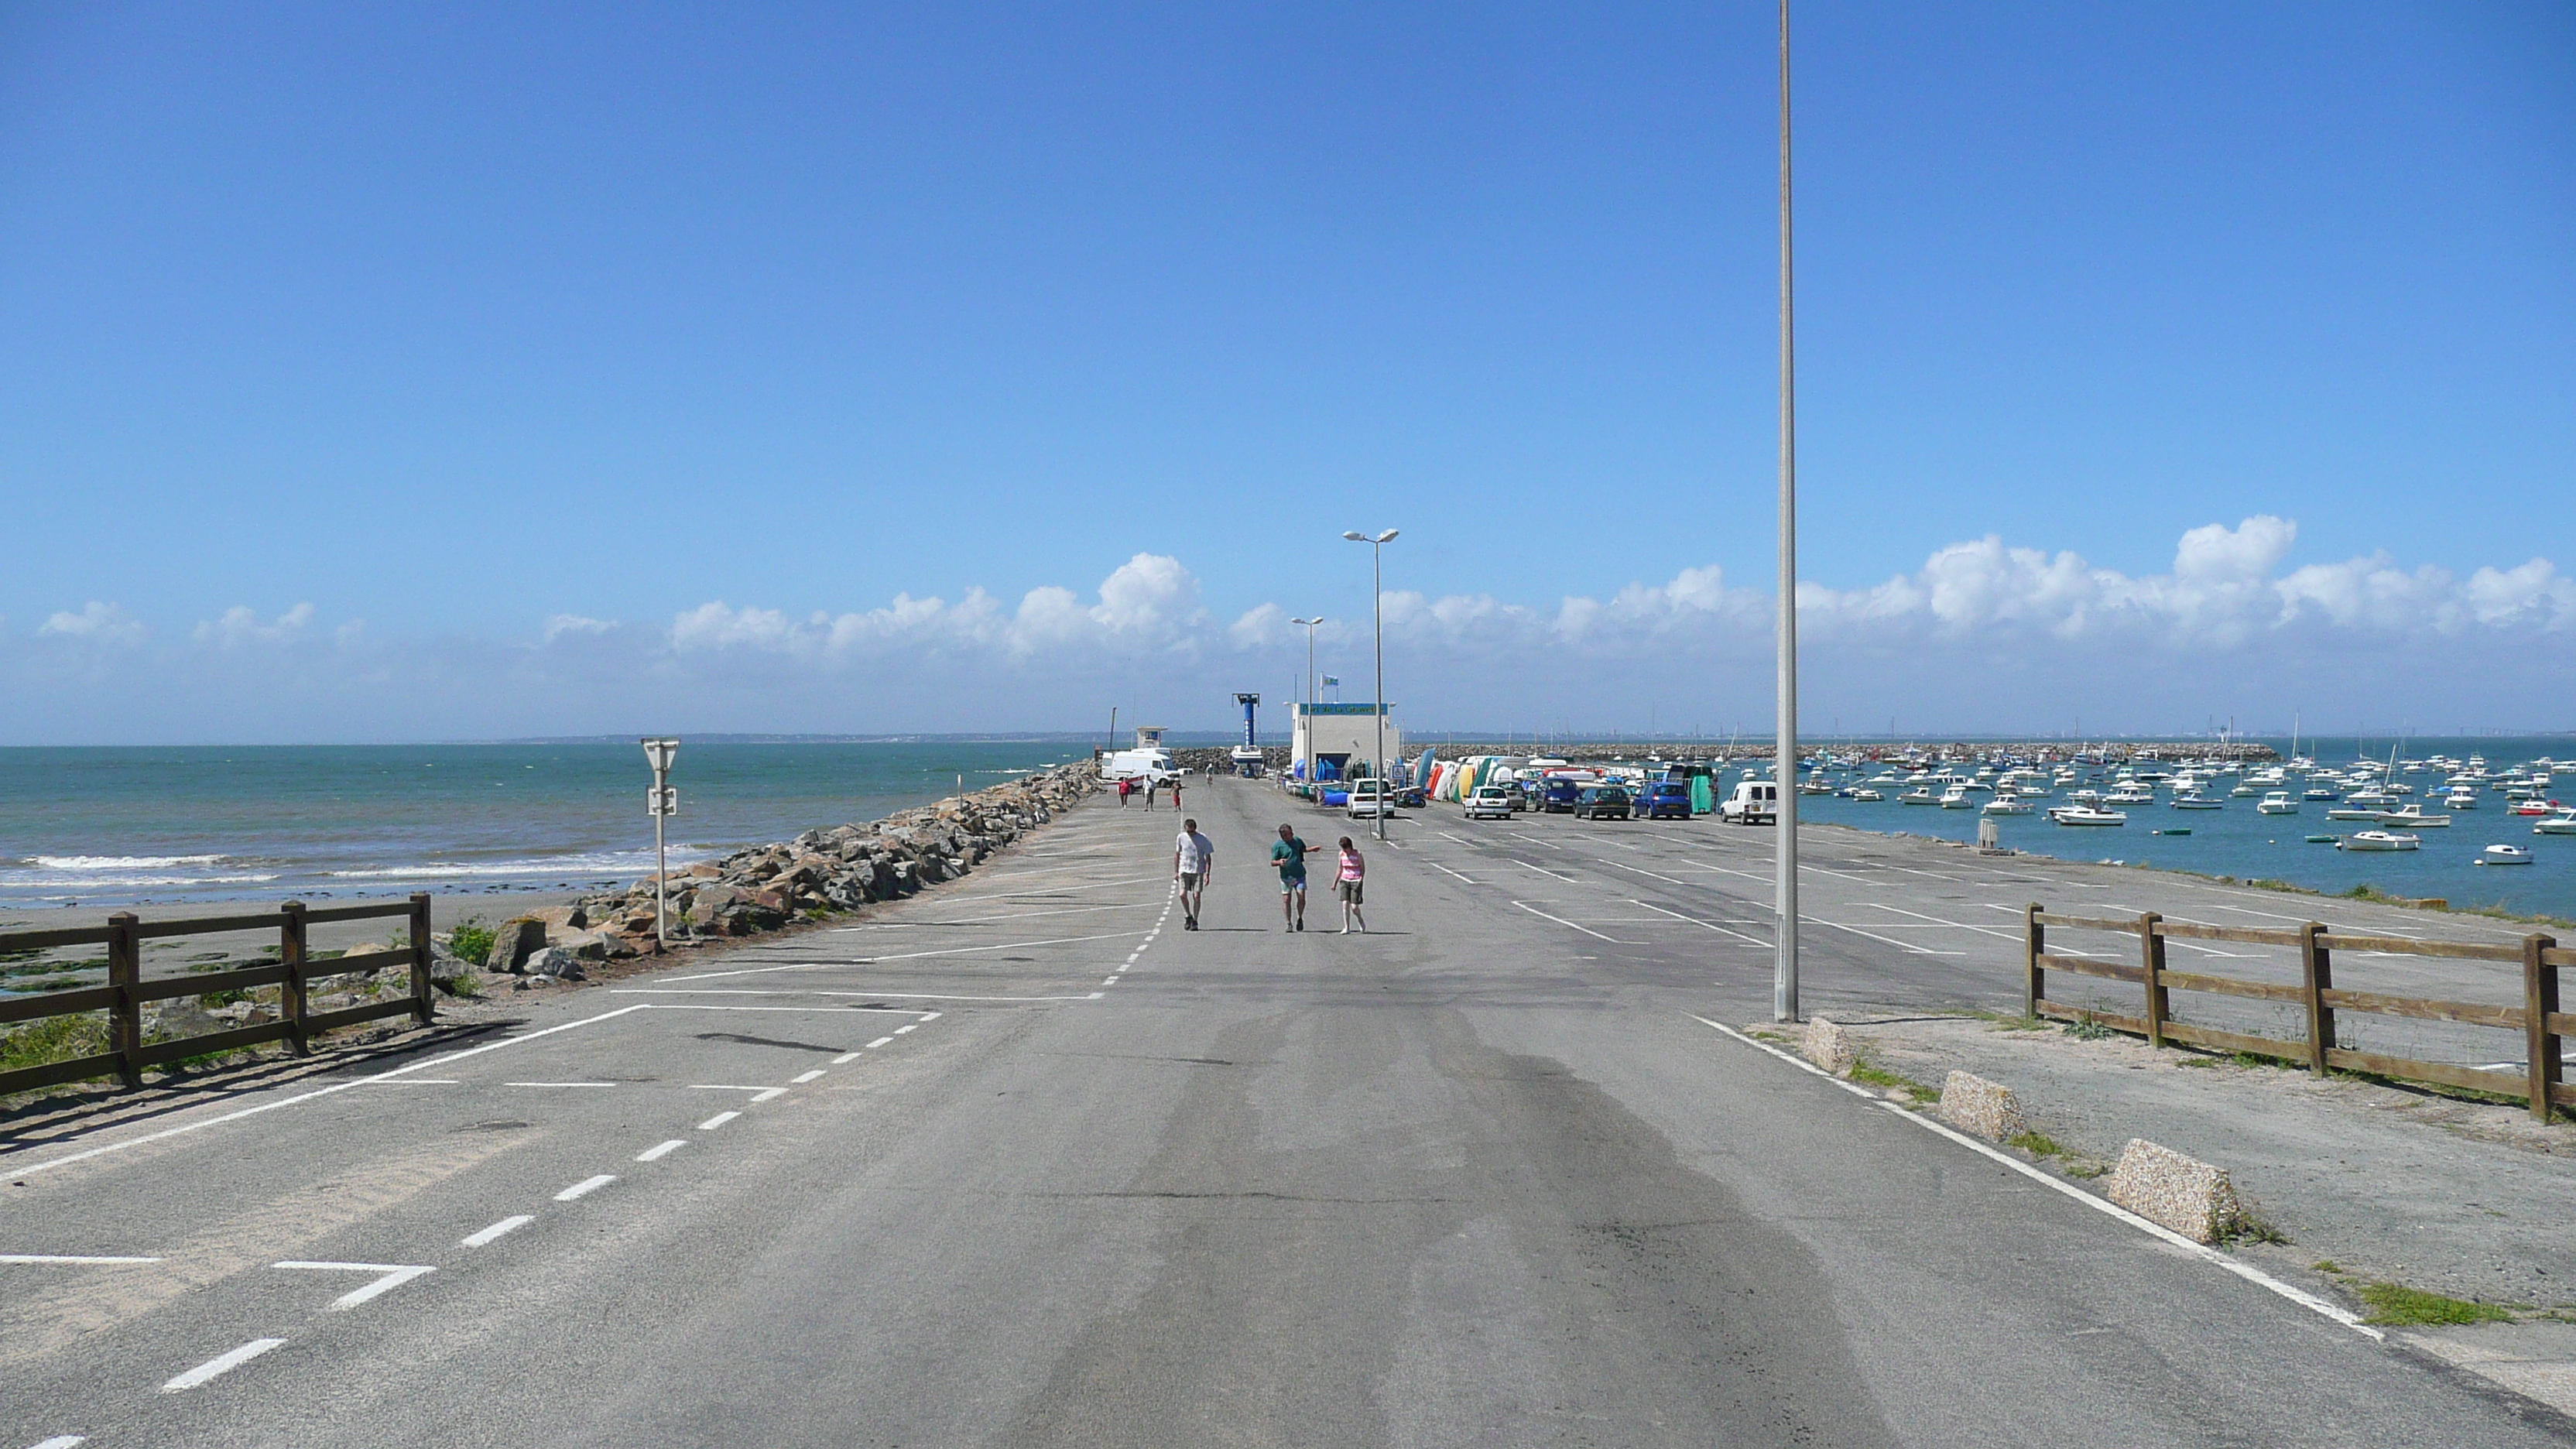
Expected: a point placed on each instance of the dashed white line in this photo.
(845, 1058)
(1435, 865)
(880, 1041)
(585, 1187)
(1562, 921)
(716, 1121)
(499, 1230)
(1112, 981)
(62, 1441)
(802, 1078)
(900, 1030)
(660, 1150)
(559, 1084)
(68, 1258)
(222, 1364)
(767, 1094)
(391, 1276)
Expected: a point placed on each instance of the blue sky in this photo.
(447, 371)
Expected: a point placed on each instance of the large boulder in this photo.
(556, 962)
(513, 942)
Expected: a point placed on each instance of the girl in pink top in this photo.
(1347, 882)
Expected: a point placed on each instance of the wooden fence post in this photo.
(125, 1018)
(2034, 944)
(2539, 999)
(2151, 951)
(421, 1006)
(2316, 973)
(291, 941)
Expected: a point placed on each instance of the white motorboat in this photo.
(2086, 815)
(1956, 798)
(2557, 825)
(1919, 795)
(1866, 793)
(2414, 815)
(2131, 794)
(2535, 807)
(2006, 805)
(2354, 812)
(2378, 840)
(2505, 855)
(2460, 800)
(2277, 803)
(2194, 800)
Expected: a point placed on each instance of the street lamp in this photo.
(663, 802)
(1377, 588)
(1784, 981)
(1310, 693)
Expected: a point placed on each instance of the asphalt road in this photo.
(1022, 1162)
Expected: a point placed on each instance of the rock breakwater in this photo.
(820, 873)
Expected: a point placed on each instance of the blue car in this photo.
(1665, 800)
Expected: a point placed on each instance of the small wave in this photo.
(120, 862)
(618, 864)
(99, 882)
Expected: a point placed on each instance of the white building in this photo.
(1342, 735)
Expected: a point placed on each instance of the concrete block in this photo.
(2182, 1193)
(1989, 1109)
(1829, 1046)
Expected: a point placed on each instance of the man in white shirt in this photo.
(1193, 861)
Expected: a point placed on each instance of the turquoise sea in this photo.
(109, 827)
(2235, 841)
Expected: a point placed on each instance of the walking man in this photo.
(1290, 856)
(1193, 861)
(1124, 786)
(1348, 877)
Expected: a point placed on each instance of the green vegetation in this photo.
(2086, 1169)
(54, 1039)
(2325, 1265)
(1863, 1072)
(2085, 1028)
(2394, 1305)
(471, 941)
(2250, 1227)
(2037, 1144)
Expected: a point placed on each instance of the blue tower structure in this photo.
(1247, 756)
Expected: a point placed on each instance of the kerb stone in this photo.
(1829, 1046)
(2183, 1193)
(1989, 1109)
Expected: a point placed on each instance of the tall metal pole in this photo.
(661, 883)
(1310, 693)
(1784, 988)
(1377, 587)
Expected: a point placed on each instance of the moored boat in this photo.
(2505, 855)
(2378, 840)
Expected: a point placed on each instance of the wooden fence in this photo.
(125, 993)
(2538, 1018)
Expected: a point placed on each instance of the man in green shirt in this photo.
(1290, 856)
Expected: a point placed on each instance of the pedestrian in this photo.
(1348, 877)
(1193, 861)
(1147, 785)
(1176, 790)
(1290, 856)
(1124, 787)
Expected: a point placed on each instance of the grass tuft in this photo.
(2394, 1305)
(2037, 1144)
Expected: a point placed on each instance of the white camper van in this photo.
(1149, 763)
(1755, 802)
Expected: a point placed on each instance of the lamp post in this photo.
(663, 802)
(1784, 986)
(1310, 693)
(1377, 590)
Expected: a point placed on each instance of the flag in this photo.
(1335, 683)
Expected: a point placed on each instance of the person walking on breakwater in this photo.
(1348, 876)
(1290, 856)
(1193, 860)
(1124, 787)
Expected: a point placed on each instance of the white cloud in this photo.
(99, 623)
(239, 626)
(558, 625)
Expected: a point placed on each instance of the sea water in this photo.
(109, 827)
(2236, 841)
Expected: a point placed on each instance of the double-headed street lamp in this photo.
(1377, 587)
(1310, 693)
(663, 802)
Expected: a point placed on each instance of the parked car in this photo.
(1369, 800)
(1520, 796)
(1755, 802)
(1557, 797)
(1412, 797)
(1601, 802)
(1491, 801)
(1665, 800)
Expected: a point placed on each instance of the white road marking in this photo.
(802, 1078)
(2203, 1252)
(716, 1121)
(902, 956)
(72, 1259)
(987, 920)
(807, 991)
(224, 1364)
(586, 1186)
(391, 1276)
(186, 1127)
(62, 1441)
(1112, 981)
(722, 1087)
(1435, 865)
(416, 1082)
(900, 1030)
(660, 1150)
(1711, 925)
(1562, 921)
(845, 1058)
(1907, 947)
(1542, 870)
(499, 1230)
(928, 1017)
(559, 1084)
(880, 1041)
(767, 1094)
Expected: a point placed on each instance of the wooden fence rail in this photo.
(2539, 1019)
(126, 992)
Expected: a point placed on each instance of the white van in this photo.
(1755, 802)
